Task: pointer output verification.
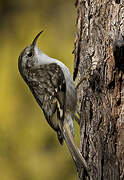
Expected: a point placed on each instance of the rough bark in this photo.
(99, 55)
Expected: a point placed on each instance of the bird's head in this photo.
(27, 58)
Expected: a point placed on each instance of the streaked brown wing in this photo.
(48, 86)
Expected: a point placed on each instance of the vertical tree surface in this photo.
(99, 57)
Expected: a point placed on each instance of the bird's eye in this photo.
(29, 54)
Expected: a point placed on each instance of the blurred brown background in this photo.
(29, 149)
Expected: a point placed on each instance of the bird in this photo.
(53, 88)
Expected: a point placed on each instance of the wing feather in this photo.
(48, 86)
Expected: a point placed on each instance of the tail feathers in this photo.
(76, 155)
(60, 137)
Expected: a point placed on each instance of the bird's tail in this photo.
(76, 155)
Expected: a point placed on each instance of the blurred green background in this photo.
(29, 149)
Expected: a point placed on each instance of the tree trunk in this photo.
(99, 57)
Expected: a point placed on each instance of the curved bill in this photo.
(36, 38)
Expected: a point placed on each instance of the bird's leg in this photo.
(85, 77)
(82, 79)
